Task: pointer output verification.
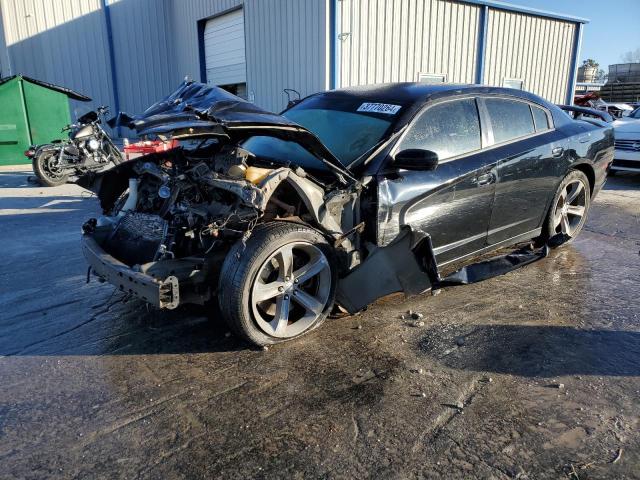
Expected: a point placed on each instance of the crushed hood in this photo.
(199, 110)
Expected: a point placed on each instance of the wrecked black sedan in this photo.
(345, 197)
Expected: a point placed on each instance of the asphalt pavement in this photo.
(535, 374)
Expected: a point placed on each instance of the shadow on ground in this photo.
(623, 181)
(18, 179)
(535, 351)
(117, 326)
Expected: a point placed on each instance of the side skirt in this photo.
(530, 235)
(408, 265)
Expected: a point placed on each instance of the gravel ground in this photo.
(535, 374)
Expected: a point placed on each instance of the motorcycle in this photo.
(88, 149)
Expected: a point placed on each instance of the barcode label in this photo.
(385, 108)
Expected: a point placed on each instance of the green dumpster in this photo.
(31, 112)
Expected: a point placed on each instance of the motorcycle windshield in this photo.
(84, 116)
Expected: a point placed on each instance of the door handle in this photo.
(557, 152)
(485, 179)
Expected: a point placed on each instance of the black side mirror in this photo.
(416, 159)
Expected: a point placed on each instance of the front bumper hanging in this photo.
(160, 293)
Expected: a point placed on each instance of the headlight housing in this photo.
(93, 144)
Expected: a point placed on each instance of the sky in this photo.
(613, 28)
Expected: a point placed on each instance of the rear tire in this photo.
(279, 285)
(45, 172)
(568, 212)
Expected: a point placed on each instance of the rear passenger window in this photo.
(540, 118)
(448, 129)
(510, 119)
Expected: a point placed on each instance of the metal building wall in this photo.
(535, 49)
(185, 15)
(286, 48)
(5, 67)
(143, 51)
(394, 40)
(156, 44)
(285, 44)
(62, 42)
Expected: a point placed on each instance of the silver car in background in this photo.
(627, 143)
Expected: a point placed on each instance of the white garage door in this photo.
(224, 50)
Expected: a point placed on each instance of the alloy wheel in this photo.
(291, 290)
(50, 167)
(570, 208)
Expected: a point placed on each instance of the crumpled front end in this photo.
(169, 219)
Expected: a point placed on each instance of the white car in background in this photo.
(627, 143)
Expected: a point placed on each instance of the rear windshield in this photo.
(348, 128)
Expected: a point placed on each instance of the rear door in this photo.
(527, 150)
(453, 202)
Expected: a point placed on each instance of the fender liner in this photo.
(405, 265)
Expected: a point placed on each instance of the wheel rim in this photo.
(50, 169)
(570, 208)
(291, 290)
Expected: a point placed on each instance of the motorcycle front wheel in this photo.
(48, 174)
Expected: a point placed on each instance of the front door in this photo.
(451, 203)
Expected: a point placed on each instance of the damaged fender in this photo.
(401, 266)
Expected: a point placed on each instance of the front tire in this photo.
(46, 172)
(279, 285)
(568, 212)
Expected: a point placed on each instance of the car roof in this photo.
(416, 93)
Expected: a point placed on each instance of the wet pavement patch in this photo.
(533, 374)
(535, 350)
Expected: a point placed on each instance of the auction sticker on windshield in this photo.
(385, 108)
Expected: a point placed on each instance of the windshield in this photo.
(347, 127)
(635, 113)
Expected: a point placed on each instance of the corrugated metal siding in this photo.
(156, 45)
(185, 15)
(5, 67)
(534, 49)
(285, 44)
(62, 42)
(143, 50)
(286, 48)
(394, 40)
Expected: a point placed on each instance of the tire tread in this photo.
(237, 267)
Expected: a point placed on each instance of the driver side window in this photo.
(448, 129)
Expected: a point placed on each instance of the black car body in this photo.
(389, 182)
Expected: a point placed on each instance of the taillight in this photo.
(29, 153)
